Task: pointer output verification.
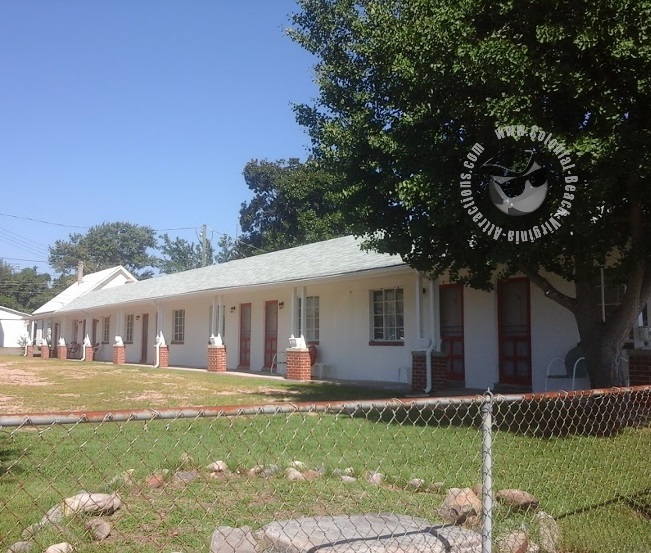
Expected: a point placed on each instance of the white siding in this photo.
(12, 327)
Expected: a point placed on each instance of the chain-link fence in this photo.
(548, 473)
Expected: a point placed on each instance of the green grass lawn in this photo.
(598, 488)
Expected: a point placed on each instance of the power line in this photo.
(41, 221)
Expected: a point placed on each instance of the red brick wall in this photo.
(299, 365)
(419, 371)
(119, 355)
(45, 352)
(164, 357)
(90, 353)
(639, 367)
(217, 358)
(62, 352)
(30, 351)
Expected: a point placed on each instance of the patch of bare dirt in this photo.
(11, 404)
(12, 375)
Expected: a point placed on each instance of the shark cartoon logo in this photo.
(517, 193)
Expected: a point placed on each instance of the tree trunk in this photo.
(604, 359)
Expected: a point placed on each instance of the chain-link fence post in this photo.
(487, 472)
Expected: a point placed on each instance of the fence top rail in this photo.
(123, 415)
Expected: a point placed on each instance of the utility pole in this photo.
(204, 253)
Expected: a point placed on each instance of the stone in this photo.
(416, 483)
(98, 528)
(437, 486)
(218, 466)
(271, 470)
(311, 475)
(298, 465)
(294, 475)
(375, 478)
(347, 479)
(549, 532)
(459, 505)
(91, 503)
(349, 471)
(185, 476)
(155, 481)
(233, 540)
(513, 542)
(517, 499)
(124, 478)
(371, 533)
(254, 471)
(63, 547)
(20, 547)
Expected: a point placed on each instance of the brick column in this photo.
(90, 353)
(45, 351)
(419, 371)
(30, 351)
(62, 352)
(217, 358)
(639, 367)
(119, 355)
(164, 358)
(299, 365)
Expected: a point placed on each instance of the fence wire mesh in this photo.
(569, 473)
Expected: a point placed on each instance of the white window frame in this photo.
(75, 330)
(106, 330)
(128, 329)
(312, 328)
(178, 326)
(387, 316)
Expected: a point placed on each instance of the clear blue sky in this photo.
(143, 111)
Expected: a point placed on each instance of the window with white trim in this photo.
(106, 330)
(128, 330)
(178, 317)
(311, 332)
(387, 315)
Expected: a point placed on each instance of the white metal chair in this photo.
(279, 363)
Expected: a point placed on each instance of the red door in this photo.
(514, 325)
(270, 332)
(245, 335)
(451, 313)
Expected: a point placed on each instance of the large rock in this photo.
(232, 540)
(549, 532)
(460, 505)
(98, 528)
(20, 547)
(517, 499)
(63, 547)
(513, 542)
(92, 503)
(365, 534)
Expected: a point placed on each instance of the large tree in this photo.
(292, 204)
(24, 290)
(182, 255)
(407, 88)
(107, 245)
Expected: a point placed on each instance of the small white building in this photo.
(13, 327)
(370, 316)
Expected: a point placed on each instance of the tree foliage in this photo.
(24, 290)
(406, 88)
(107, 245)
(182, 255)
(292, 204)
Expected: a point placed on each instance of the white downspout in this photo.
(160, 341)
(84, 346)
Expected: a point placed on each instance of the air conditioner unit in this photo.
(322, 370)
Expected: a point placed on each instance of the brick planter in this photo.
(30, 351)
(45, 352)
(299, 364)
(639, 367)
(90, 353)
(164, 357)
(217, 359)
(119, 355)
(62, 353)
(419, 371)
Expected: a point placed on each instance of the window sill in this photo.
(176, 342)
(386, 343)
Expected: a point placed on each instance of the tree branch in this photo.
(550, 291)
